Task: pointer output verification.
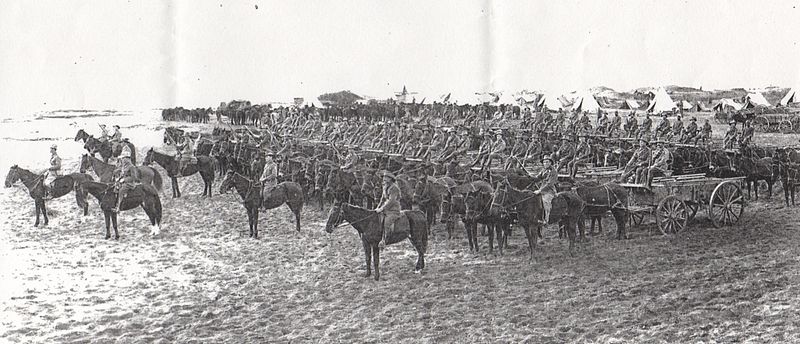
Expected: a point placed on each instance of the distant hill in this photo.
(612, 98)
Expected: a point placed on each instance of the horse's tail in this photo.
(156, 201)
(158, 181)
(133, 153)
(419, 228)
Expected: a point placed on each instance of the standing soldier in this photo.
(613, 130)
(663, 128)
(706, 134)
(582, 155)
(647, 125)
(730, 136)
(661, 158)
(690, 134)
(747, 135)
(631, 125)
(602, 124)
(677, 129)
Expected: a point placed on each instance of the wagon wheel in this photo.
(726, 204)
(785, 126)
(635, 218)
(672, 215)
(761, 124)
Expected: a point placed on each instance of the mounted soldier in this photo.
(705, 135)
(269, 177)
(126, 177)
(185, 152)
(548, 177)
(390, 209)
(103, 133)
(53, 171)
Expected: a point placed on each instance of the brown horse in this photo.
(478, 205)
(205, 165)
(370, 228)
(142, 195)
(107, 149)
(37, 188)
(289, 193)
(428, 194)
(527, 207)
(599, 198)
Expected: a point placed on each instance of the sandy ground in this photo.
(203, 280)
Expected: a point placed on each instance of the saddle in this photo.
(400, 227)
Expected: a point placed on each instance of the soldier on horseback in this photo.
(647, 125)
(548, 177)
(747, 135)
(116, 137)
(390, 208)
(269, 177)
(690, 134)
(730, 136)
(103, 133)
(127, 175)
(185, 152)
(53, 171)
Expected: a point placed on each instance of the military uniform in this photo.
(639, 161)
(391, 210)
(127, 175)
(269, 178)
(730, 137)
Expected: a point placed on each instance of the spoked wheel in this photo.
(636, 218)
(672, 215)
(726, 205)
(785, 126)
(761, 124)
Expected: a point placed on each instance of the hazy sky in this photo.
(144, 54)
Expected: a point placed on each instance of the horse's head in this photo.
(81, 135)
(84, 163)
(227, 182)
(335, 217)
(12, 176)
(148, 159)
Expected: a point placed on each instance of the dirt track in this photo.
(204, 280)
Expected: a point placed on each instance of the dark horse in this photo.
(36, 188)
(370, 228)
(105, 171)
(106, 148)
(204, 165)
(289, 193)
(141, 195)
(597, 198)
(528, 208)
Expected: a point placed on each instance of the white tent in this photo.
(585, 103)
(727, 102)
(755, 99)
(792, 97)
(630, 104)
(686, 105)
(485, 98)
(551, 102)
(661, 102)
(508, 99)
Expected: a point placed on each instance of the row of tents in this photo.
(657, 101)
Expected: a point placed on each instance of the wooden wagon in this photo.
(674, 201)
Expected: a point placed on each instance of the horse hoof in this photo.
(417, 271)
(108, 237)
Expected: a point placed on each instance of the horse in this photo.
(599, 198)
(204, 165)
(788, 167)
(754, 170)
(36, 188)
(428, 194)
(105, 171)
(478, 209)
(528, 208)
(107, 149)
(568, 209)
(289, 193)
(82, 135)
(142, 195)
(370, 228)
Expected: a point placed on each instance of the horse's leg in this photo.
(255, 222)
(490, 231)
(36, 205)
(367, 256)
(250, 220)
(531, 241)
(582, 227)
(107, 216)
(376, 260)
(174, 183)
(44, 211)
(619, 216)
(570, 229)
(114, 222)
(420, 247)
(296, 209)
